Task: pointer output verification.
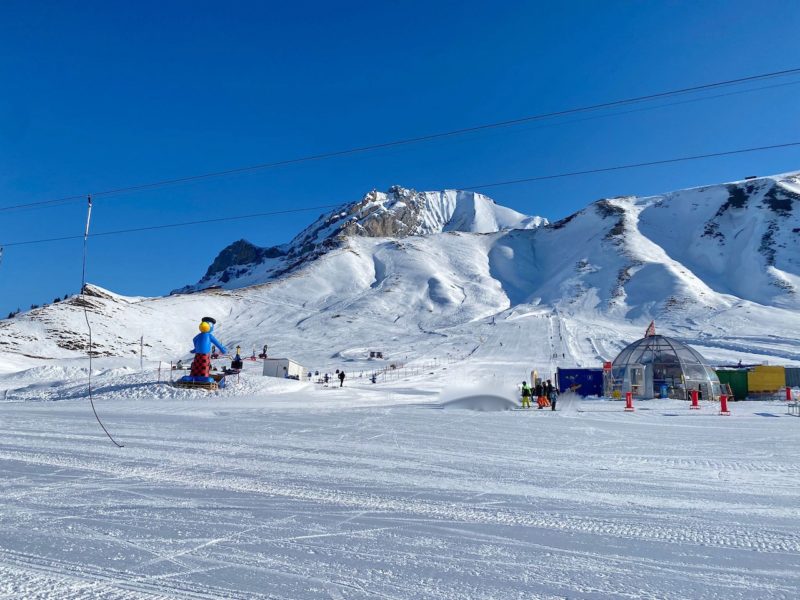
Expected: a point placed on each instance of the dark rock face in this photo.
(780, 200)
(737, 197)
(608, 210)
(93, 291)
(240, 253)
(398, 215)
(563, 222)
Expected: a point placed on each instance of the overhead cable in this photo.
(466, 187)
(412, 140)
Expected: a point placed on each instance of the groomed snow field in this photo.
(280, 489)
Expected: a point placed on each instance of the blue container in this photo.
(586, 382)
(664, 391)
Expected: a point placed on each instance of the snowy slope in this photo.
(282, 489)
(741, 239)
(714, 266)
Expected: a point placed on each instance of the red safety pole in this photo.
(629, 401)
(788, 394)
(723, 405)
(695, 400)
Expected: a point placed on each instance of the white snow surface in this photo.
(453, 210)
(281, 489)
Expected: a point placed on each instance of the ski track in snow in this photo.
(369, 492)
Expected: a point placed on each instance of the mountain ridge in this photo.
(397, 213)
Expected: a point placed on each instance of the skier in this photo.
(537, 392)
(202, 348)
(526, 395)
(341, 378)
(552, 395)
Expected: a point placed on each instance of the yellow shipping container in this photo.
(765, 378)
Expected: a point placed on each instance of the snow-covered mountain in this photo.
(453, 274)
(705, 247)
(397, 213)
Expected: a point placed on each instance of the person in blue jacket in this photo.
(201, 365)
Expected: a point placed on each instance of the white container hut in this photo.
(283, 367)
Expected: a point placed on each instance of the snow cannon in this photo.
(200, 374)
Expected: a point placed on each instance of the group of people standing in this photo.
(325, 379)
(545, 393)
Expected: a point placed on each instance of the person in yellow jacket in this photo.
(526, 395)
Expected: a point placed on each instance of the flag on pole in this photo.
(651, 329)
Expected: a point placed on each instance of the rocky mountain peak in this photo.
(397, 213)
(401, 212)
(240, 253)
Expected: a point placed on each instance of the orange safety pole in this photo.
(629, 402)
(695, 400)
(723, 405)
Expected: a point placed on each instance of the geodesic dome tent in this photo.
(658, 366)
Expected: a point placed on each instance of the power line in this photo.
(411, 140)
(630, 166)
(173, 225)
(470, 187)
(69, 199)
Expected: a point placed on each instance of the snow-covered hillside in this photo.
(453, 274)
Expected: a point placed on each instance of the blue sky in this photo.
(99, 95)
